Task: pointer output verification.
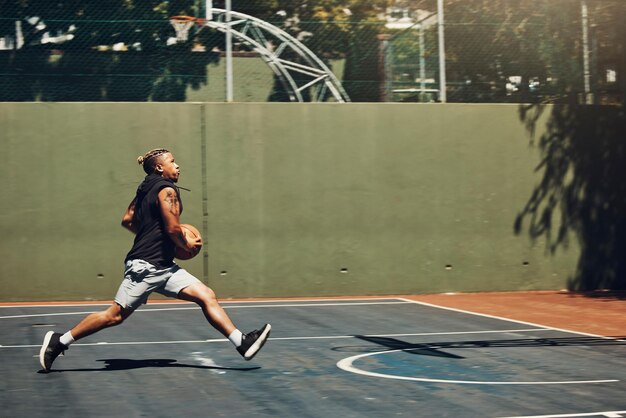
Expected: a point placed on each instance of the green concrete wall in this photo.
(293, 200)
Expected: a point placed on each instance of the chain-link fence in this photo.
(511, 51)
(331, 50)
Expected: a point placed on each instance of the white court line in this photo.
(321, 337)
(222, 302)
(347, 363)
(508, 320)
(606, 414)
(291, 305)
(65, 305)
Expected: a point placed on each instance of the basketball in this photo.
(191, 233)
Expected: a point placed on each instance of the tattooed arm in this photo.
(170, 211)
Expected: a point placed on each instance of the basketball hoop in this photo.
(182, 24)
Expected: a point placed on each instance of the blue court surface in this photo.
(377, 357)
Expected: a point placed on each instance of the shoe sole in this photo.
(258, 344)
(42, 352)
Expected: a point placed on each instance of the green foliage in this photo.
(487, 41)
(87, 68)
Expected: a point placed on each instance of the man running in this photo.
(154, 217)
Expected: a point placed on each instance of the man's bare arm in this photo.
(127, 219)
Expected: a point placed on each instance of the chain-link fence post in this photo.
(442, 53)
(384, 59)
(586, 65)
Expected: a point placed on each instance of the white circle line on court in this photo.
(321, 337)
(347, 365)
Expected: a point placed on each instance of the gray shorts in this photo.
(142, 278)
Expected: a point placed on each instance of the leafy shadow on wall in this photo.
(582, 192)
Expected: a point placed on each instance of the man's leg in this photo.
(213, 311)
(56, 343)
(92, 323)
(247, 345)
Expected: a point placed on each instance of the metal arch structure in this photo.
(272, 43)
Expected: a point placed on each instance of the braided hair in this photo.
(149, 160)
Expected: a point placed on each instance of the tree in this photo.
(350, 29)
(87, 67)
(608, 40)
(487, 41)
(492, 40)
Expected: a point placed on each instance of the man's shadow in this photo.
(436, 349)
(130, 364)
(417, 349)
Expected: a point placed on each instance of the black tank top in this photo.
(152, 244)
